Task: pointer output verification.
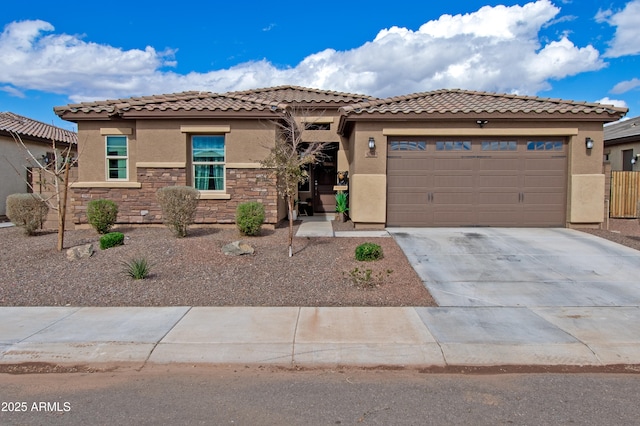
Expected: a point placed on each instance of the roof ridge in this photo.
(302, 89)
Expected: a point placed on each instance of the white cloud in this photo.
(625, 40)
(62, 63)
(615, 102)
(12, 91)
(495, 49)
(625, 86)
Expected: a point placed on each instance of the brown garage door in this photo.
(476, 182)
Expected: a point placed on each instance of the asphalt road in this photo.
(265, 396)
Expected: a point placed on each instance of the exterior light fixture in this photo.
(482, 123)
(634, 159)
(372, 144)
(589, 143)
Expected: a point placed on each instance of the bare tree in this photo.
(288, 158)
(57, 172)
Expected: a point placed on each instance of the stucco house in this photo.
(622, 145)
(38, 137)
(440, 158)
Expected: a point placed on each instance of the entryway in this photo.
(323, 178)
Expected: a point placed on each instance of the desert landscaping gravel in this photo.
(193, 271)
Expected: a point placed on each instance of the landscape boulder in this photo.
(80, 252)
(237, 248)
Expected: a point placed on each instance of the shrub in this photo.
(368, 252)
(178, 205)
(138, 269)
(102, 215)
(366, 278)
(27, 210)
(111, 239)
(250, 217)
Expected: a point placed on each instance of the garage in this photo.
(467, 181)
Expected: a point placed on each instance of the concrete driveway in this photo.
(512, 267)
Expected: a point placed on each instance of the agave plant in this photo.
(341, 202)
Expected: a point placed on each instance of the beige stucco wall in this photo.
(92, 151)
(13, 174)
(586, 199)
(166, 141)
(585, 186)
(368, 204)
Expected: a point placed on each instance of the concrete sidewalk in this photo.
(315, 337)
(320, 226)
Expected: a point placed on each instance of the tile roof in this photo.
(271, 98)
(622, 129)
(185, 101)
(468, 102)
(275, 98)
(302, 95)
(29, 128)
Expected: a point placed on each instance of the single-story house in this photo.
(38, 138)
(622, 145)
(440, 158)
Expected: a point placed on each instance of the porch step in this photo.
(315, 229)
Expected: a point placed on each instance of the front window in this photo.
(208, 158)
(117, 157)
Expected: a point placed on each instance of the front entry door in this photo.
(324, 179)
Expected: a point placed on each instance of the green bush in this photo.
(178, 205)
(27, 210)
(102, 215)
(138, 269)
(250, 217)
(111, 239)
(368, 252)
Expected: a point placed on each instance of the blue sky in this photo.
(583, 50)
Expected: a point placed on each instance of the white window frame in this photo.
(116, 157)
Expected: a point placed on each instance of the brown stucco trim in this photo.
(481, 132)
(346, 123)
(214, 196)
(205, 129)
(108, 131)
(319, 120)
(243, 165)
(108, 184)
(161, 165)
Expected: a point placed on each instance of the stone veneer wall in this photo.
(140, 205)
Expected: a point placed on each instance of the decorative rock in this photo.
(80, 252)
(237, 248)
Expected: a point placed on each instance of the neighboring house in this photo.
(622, 145)
(38, 138)
(441, 158)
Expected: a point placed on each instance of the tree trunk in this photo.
(62, 208)
(290, 208)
